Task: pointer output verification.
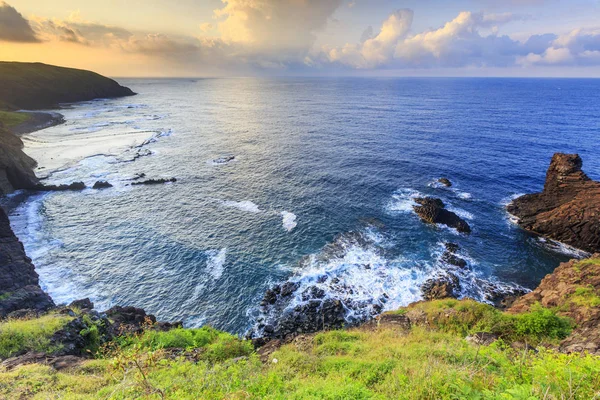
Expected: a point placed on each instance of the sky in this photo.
(198, 38)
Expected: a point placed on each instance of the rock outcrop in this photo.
(33, 86)
(433, 211)
(16, 167)
(574, 290)
(567, 210)
(19, 283)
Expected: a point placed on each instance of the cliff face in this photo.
(567, 210)
(574, 290)
(19, 283)
(16, 167)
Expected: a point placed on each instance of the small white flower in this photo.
(275, 361)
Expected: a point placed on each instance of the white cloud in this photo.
(578, 47)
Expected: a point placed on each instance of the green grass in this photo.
(466, 317)
(431, 361)
(18, 336)
(12, 119)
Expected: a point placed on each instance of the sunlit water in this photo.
(314, 158)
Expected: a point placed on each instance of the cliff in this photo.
(36, 86)
(19, 284)
(567, 210)
(16, 167)
(574, 290)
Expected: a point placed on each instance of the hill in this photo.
(36, 86)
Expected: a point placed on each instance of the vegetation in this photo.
(429, 361)
(36, 85)
(12, 119)
(18, 336)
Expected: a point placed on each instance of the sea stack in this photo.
(567, 210)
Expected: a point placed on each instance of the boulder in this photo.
(442, 287)
(567, 210)
(155, 181)
(75, 186)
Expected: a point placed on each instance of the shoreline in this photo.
(38, 120)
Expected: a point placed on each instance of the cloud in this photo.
(286, 27)
(13, 27)
(378, 50)
(580, 47)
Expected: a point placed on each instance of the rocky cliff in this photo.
(574, 290)
(16, 167)
(36, 86)
(567, 210)
(19, 283)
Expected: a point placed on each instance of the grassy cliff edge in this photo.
(444, 349)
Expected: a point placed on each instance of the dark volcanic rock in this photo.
(102, 185)
(75, 186)
(567, 210)
(433, 211)
(445, 181)
(83, 304)
(155, 181)
(223, 160)
(442, 287)
(19, 283)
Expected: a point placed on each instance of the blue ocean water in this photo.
(317, 160)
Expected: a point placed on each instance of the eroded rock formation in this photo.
(567, 210)
(433, 211)
(16, 167)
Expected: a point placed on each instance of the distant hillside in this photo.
(36, 86)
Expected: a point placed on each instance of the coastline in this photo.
(38, 120)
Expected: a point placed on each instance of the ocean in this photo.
(271, 172)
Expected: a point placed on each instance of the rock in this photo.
(445, 181)
(482, 338)
(75, 186)
(19, 283)
(223, 160)
(567, 210)
(573, 289)
(155, 181)
(83, 304)
(453, 259)
(433, 211)
(129, 320)
(59, 363)
(442, 287)
(102, 185)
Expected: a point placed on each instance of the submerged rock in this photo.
(223, 160)
(445, 181)
(567, 210)
(155, 181)
(75, 186)
(433, 211)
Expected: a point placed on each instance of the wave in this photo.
(245, 205)
(288, 220)
(403, 200)
(215, 265)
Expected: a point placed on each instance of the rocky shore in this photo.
(567, 210)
